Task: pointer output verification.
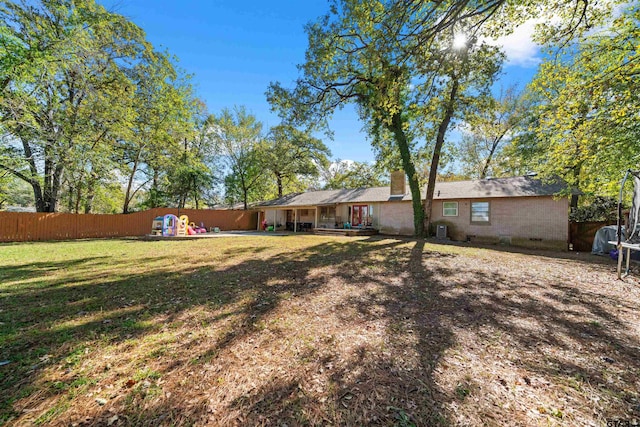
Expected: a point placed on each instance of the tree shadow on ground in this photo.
(48, 321)
(570, 256)
(348, 333)
(37, 269)
(391, 388)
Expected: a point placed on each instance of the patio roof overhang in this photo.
(285, 207)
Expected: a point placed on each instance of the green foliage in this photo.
(83, 94)
(66, 90)
(188, 180)
(600, 209)
(292, 155)
(165, 117)
(108, 198)
(584, 126)
(14, 192)
(397, 63)
(237, 136)
(488, 129)
(342, 174)
(261, 189)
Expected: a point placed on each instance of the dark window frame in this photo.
(476, 222)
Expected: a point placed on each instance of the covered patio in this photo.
(328, 210)
(295, 219)
(324, 219)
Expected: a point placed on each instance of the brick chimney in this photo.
(398, 183)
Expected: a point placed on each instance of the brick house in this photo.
(522, 211)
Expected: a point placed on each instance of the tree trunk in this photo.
(32, 178)
(433, 170)
(52, 178)
(245, 192)
(410, 171)
(576, 169)
(279, 183)
(70, 194)
(47, 181)
(91, 193)
(575, 191)
(88, 203)
(487, 162)
(154, 190)
(127, 194)
(37, 196)
(78, 196)
(55, 187)
(244, 200)
(195, 194)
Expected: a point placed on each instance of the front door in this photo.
(359, 214)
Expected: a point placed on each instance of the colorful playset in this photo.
(171, 226)
(165, 226)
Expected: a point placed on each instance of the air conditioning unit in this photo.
(441, 231)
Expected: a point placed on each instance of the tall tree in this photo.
(584, 122)
(348, 174)
(189, 179)
(53, 111)
(463, 76)
(487, 130)
(379, 55)
(291, 154)
(391, 59)
(237, 135)
(163, 108)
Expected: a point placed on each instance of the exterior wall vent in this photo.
(505, 240)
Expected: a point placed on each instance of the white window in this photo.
(450, 209)
(480, 212)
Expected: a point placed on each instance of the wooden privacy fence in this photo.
(581, 234)
(23, 227)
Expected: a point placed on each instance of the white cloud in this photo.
(522, 51)
(519, 47)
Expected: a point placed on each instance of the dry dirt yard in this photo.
(310, 330)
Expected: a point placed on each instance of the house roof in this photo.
(521, 186)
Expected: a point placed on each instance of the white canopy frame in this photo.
(632, 240)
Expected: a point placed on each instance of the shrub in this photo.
(601, 209)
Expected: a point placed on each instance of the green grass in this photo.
(309, 329)
(64, 303)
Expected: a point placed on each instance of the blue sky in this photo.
(235, 48)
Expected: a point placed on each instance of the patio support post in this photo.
(275, 218)
(315, 224)
(295, 220)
